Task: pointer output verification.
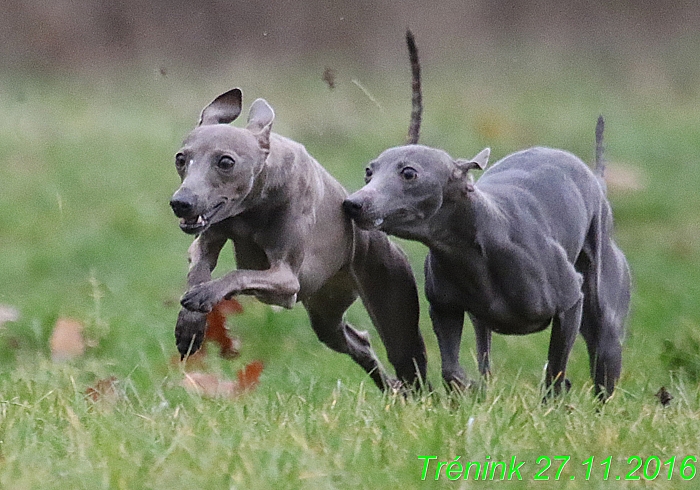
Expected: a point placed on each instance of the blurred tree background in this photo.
(71, 35)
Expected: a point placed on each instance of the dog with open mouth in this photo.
(293, 243)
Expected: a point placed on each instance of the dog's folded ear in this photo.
(260, 120)
(463, 166)
(478, 162)
(222, 110)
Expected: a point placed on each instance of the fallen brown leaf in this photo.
(229, 307)
(249, 376)
(105, 390)
(210, 385)
(67, 340)
(229, 347)
(193, 361)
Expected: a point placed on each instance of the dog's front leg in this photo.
(565, 328)
(191, 325)
(277, 285)
(447, 325)
(483, 346)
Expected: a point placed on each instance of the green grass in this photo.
(86, 232)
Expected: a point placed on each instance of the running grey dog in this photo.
(528, 245)
(284, 214)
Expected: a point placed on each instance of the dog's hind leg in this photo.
(388, 291)
(606, 291)
(604, 314)
(326, 309)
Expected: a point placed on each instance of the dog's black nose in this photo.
(352, 208)
(182, 208)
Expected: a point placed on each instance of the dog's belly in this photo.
(510, 306)
(508, 317)
(520, 327)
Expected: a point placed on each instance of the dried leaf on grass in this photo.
(229, 307)
(229, 347)
(210, 385)
(249, 376)
(8, 314)
(193, 361)
(67, 340)
(105, 391)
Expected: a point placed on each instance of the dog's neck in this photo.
(461, 222)
(282, 170)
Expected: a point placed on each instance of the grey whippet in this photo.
(284, 214)
(528, 245)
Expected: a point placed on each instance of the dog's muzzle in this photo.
(353, 208)
(356, 209)
(184, 205)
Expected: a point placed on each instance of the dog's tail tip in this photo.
(410, 39)
(599, 148)
(599, 161)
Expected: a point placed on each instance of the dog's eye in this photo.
(368, 175)
(180, 161)
(225, 163)
(409, 173)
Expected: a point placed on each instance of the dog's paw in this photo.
(200, 298)
(556, 389)
(189, 331)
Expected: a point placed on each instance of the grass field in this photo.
(86, 232)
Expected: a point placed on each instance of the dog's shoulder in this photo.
(295, 163)
(279, 142)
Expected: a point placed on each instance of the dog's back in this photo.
(544, 190)
(538, 168)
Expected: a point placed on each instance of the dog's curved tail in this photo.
(417, 96)
(599, 159)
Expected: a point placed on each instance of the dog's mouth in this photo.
(369, 223)
(391, 223)
(197, 224)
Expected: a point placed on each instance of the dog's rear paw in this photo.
(189, 332)
(200, 298)
(394, 386)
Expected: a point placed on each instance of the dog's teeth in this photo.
(378, 221)
(200, 220)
